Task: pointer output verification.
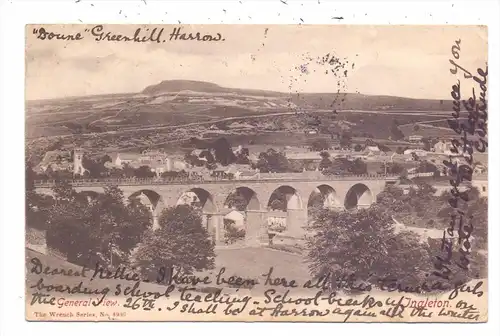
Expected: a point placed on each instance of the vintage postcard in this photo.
(334, 173)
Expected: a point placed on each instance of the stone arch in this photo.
(358, 196)
(199, 197)
(247, 194)
(286, 210)
(152, 200)
(287, 194)
(205, 201)
(242, 214)
(149, 198)
(327, 195)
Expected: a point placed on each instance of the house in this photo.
(236, 217)
(219, 172)
(125, 158)
(176, 165)
(276, 221)
(167, 165)
(314, 156)
(415, 138)
(412, 170)
(196, 152)
(372, 150)
(148, 158)
(202, 171)
(418, 152)
(56, 160)
(158, 162)
(442, 147)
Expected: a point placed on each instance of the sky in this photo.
(406, 61)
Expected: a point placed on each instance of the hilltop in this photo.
(171, 86)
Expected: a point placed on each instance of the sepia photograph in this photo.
(224, 172)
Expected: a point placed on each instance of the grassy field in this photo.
(248, 263)
(254, 262)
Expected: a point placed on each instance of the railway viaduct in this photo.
(342, 192)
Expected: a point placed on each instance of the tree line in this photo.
(113, 231)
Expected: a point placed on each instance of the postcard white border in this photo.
(15, 14)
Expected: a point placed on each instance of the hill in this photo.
(173, 103)
(325, 100)
(172, 86)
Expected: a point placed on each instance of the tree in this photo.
(211, 165)
(358, 148)
(427, 144)
(396, 133)
(358, 167)
(414, 207)
(36, 204)
(392, 168)
(416, 127)
(243, 156)
(144, 172)
(319, 145)
(315, 204)
(58, 174)
(232, 233)
(427, 167)
(400, 150)
(207, 154)
(180, 243)
(193, 160)
(199, 143)
(56, 145)
(325, 160)
(236, 200)
(384, 148)
(223, 152)
(345, 140)
(394, 200)
(421, 207)
(339, 166)
(222, 125)
(105, 158)
(363, 244)
(272, 161)
(278, 201)
(475, 210)
(96, 167)
(370, 142)
(104, 230)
